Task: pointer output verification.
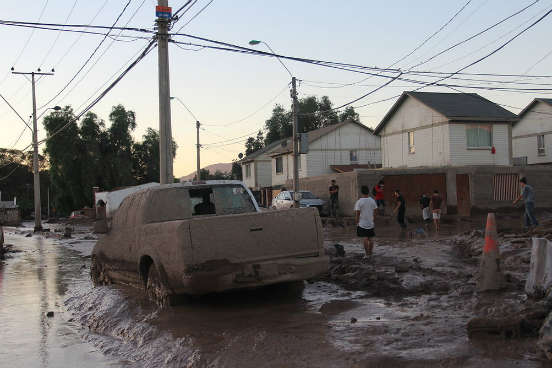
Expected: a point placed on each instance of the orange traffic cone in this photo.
(490, 274)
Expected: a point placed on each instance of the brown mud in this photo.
(408, 306)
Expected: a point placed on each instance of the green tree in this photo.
(119, 155)
(254, 144)
(236, 170)
(349, 114)
(278, 126)
(146, 165)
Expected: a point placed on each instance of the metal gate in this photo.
(506, 187)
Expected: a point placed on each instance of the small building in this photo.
(256, 167)
(10, 213)
(345, 143)
(532, 134)
(435, 129)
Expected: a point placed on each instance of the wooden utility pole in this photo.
(295, 143)
(198, 147)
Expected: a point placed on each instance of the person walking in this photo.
(528, 196)
(334, 198)
(400, 208)
(365, 209)
(426, 210)
(379, 197)
(436, 203)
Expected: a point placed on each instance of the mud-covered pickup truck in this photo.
(199, 238)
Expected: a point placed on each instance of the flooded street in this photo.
(407, 307)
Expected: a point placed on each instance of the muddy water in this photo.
(272, 327)
(33, 282)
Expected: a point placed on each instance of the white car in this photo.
(285, 200)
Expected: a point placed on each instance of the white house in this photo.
(532, 134)
(344, 144)
(257, 166)
(445, 129)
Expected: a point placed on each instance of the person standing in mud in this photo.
(400, 209)
(334, 198)
(365, 209)
(436, 202)
(379, 197)
(426, 210)
(528, 196)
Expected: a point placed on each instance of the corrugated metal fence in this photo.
(505, 187)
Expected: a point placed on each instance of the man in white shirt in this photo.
(365, 209)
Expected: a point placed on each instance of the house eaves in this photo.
(527, 108)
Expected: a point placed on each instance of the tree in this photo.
(146, 165)
(278, 126)
(119, 155)
(236, 170)
(349, 114)
(254, 144)
(218, 175)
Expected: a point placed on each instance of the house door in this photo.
(463, 194)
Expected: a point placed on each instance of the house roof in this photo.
(316, 134)
(455, 107)
(267, 149)
(532, 104)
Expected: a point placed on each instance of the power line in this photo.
(474, 35)
(89, 58)
(195, 15)
(14, 110)
(59, 34)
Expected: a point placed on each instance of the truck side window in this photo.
(232, 200)
(201, 202)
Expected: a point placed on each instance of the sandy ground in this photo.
(408, 306)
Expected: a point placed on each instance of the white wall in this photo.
(430, 137)
(287, 173)
(524, 134)
(334, 149)
(263, 172)
(460, 155)
(249, 181)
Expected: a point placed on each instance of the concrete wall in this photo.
(249, 180)
(480, 181)
(348, 189)
(524, 134)
(461, 155)
(10, 216)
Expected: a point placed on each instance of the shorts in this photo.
(365, 233)
(426, 213)
(380, 203)
(436, 214)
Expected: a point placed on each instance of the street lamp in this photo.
(295, 123)
(198, 146)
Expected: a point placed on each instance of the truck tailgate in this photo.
(256, 236)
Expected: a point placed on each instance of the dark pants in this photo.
(333, 207)
(401, 219)
(530, 219)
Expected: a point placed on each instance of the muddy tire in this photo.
(97, 273)
(155, 290)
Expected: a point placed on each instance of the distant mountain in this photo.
(222, 167)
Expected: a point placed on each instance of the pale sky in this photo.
(221, 87)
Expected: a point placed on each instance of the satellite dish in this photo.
(240, 155)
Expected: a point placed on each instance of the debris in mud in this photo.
(28, 235)
(354, 320)
(67, 232)
(50, 314)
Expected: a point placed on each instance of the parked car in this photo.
(285, 200)
(199, 238)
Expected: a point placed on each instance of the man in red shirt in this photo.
(378, 196)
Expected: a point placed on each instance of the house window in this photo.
(299, 162)
(248, 170)
(479, 135)
(353, 156)
(411, 148)
(540, 145)
(279, 165)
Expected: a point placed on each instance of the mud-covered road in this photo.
(408, 306)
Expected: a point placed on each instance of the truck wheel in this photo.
(155, 290)
(97, 273)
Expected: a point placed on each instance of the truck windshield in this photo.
(232, 199)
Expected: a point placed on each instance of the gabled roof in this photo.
(267, 149)
(455, 107)
(316, 134)
(532, 104)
